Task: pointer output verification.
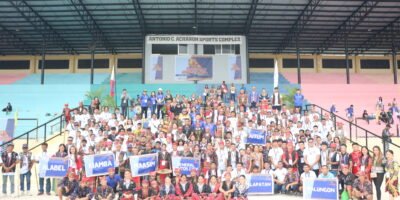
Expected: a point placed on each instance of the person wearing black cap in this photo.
(26, 163)
(9, 160)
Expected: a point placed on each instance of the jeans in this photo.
(378, 183)
(233, 97)
(160, 112)
(12, 185)
(386, 144)
(41, 184)
(124, 110)
(22, 178)
(153, 109)
(144, 112)
(279, 188)
(291, 188)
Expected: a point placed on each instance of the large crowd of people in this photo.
(212, 126)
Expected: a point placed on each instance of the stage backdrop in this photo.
(185, 58)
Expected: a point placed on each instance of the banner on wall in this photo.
(54, 167)
(260, 184)
(235, 67)
(194, 39)
(256, 137)
(190, 68)
(144, 164)
(321, 189)
(97, 165)
(185, 164)
(157, 67)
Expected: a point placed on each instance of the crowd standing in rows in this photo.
(213, 127)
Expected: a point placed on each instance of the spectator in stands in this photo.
(125, 99)
(8, 108)
(365, 116)
(232, 93)
(350, 113)
(377, 171)
(9, 160)
(362, 187)
(26, 163)
(43, 157)
(386, 137)
(298, 99)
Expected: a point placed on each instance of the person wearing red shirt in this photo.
(355, 159)
(290, 157)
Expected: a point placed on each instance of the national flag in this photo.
(112, 82)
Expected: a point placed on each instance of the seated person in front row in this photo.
(291, 180)
(104, 192)
(241, 188)
(83, 192)
(184, 188)
(201, 189)
(67, 186)
(362, 188)
(127, 187)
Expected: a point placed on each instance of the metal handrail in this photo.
(350, 123)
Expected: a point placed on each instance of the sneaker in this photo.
(13, 195)
(22, 193)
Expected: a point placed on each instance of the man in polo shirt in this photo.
(9, 160)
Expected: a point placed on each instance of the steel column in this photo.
(298, 62)
(395, 66)
(92, 66)
(43, 62)
(347, 61)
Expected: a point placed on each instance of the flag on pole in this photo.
(112, 82)
(276, 74)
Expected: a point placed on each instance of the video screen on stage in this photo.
(201, 58)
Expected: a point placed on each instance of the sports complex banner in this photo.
(185, 164)
(194, 39)
(321, 189)
(144, 164)
(97, 165)
(260, 184)
(256, 137)
(54, 167)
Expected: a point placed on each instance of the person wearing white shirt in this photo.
(279, 177)
(238, 171)
(312, 156)
(275, 154)
(42, 159)
(222, 154)
(307, 174)
(267, 169)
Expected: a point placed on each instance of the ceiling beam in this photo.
(348, 25)
(9, 38)
(93, 28)
(250, 16)
(299, 25)
(140, 16)
(384, 34)
(41, 26)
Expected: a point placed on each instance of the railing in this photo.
(42, 132)
(351, 127)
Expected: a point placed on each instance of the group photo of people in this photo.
(213, 127)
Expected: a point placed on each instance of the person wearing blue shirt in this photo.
(160, 103)
(350, 113)
(144, 103)
(113, 179)
(153, 103)
(298, 99)
(243, 88)
(325, 173)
